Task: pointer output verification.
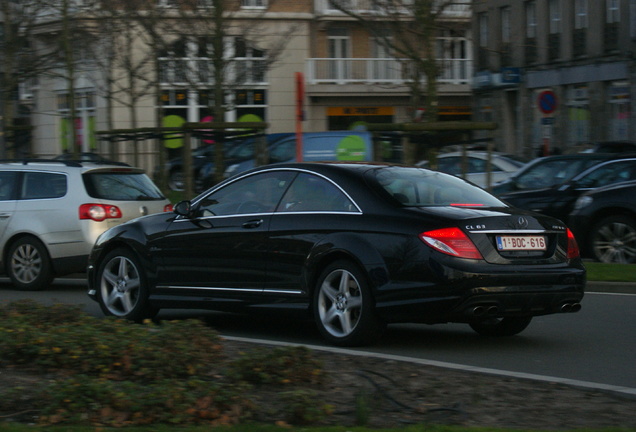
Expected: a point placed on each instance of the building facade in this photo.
(348, 78)
(555, 74)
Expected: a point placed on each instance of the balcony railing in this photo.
(380, 71)
(373, 7)
(184, 71)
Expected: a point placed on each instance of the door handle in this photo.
(253, 223)
(5, 215)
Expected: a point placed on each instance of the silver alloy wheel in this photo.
(120, 286)
(26, 263)
(340, 303)
(615, 242)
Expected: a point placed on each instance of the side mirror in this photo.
(183, 208)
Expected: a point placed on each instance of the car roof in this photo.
(65, 165)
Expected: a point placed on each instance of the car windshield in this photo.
(128, 186)
(414, 187)
(551, 172)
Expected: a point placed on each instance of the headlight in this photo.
(583, 201)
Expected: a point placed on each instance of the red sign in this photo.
(547, 102)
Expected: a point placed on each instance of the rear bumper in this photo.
(462, 296)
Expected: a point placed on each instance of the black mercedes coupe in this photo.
(354, 245)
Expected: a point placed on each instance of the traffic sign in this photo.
(547, 101)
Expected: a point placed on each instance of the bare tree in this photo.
(214, 50)
(408, 29)
(23, 60)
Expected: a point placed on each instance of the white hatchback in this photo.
(51, 213)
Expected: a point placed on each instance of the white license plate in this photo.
(521, 243)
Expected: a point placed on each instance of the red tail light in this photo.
(168, 208)
(99, 212)
(573, 246)
(451, 241)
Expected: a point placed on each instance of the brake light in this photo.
(168, 208)
(573, 246)
(451, 241)
(99, 212)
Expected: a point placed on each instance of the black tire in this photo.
(343, 307)
(613, 240)
(29, 265)
(501, 327)
(122, 289)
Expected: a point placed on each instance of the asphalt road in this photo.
(594, 347)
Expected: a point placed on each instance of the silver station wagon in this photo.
(52, 211)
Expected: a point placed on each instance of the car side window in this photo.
(609, 174)
(312, 193)
(42, 185)
(258, 193)
(7, 185)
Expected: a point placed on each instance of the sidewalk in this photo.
(611, 287)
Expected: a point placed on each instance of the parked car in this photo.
(316, 146)
(353, 245)
(87, 157)
(51, 212)
(611, 147)
(549, 171)
(235, 150)
(502, 166)
(604, 223)
(558, 201)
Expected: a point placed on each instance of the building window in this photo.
(254, 4)
(613, 11)
(531, 31)
(250, 63)
(554, 37)
(580, 14)
(531, 19)
(612, 23)
(483, 41)
(83, 123)
(506, 35)
(579, 37)
(452, 56)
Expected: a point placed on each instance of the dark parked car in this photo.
(558, 201)
(611, 147)
(548, 171)
(604, 222)
(355, 245)
(235, 149)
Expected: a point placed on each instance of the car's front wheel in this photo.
(343, 306)
(122, 289)
(29, 265)
(499, 327)
(613, 240)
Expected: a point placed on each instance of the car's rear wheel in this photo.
(343, 306)
(499, 327)
(122, 289)
(29, 265)
(613, 240)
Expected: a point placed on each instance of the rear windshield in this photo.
(417, 187)
(121, 186)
